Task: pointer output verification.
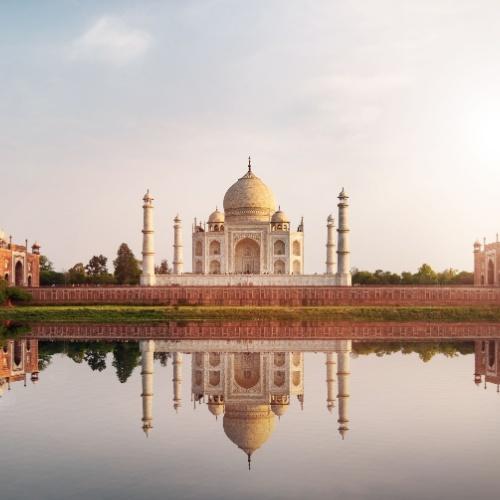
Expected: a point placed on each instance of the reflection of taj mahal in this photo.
(250, 238)
(249, 389)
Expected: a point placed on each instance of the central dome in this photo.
(248, 426)
(249, 199)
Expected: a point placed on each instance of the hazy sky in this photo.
(396, 100)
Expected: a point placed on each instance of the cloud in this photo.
(110, 40)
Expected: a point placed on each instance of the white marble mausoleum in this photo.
(251, 241)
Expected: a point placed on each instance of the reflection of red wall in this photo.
(487, 354)
(270, 295)
(29, 349)
(267, 330)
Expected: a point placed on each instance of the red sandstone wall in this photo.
(268, 330)
(270, 296)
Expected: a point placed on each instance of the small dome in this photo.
(216, 408)
(249, 198)
(147, 196)
(3, 236)
(35, 245)
(216, 217)
(279, 409)
(279, 216)
(330, 218)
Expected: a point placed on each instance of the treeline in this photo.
(424, 276)
(425, 350)
(126, 356)
(126, 270)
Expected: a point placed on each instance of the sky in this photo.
(395, 100)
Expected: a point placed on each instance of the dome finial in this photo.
(249, 165)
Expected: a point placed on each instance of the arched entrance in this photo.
(6, 277)
(30, 281)
(247, 257)
(19, 274)
(247, 369)
(491, 273)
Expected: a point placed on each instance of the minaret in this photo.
(477, 263)
(343, 395)
(147, 363)
(343, 252)
(148, 243)
(177, 380)
(330, 245)
(178, 261)
(330, 381)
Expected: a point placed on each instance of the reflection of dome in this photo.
(279, 216)
(249, 197)
(216, 408)
(248, 426)
(279, 409)
(216, 217)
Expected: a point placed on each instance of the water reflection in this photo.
(248, 389)
(248, 384)
(18, 360)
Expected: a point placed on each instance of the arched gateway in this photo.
(247, 257)
(19, 274)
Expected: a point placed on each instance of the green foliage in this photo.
(76, 275)
(424, 276)
(144, 314)
(49, 278)
(45, 264)
(425, 350)
(125, 358)
(127, 270)
(12, 294)
(163, 268)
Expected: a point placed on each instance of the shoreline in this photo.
(153, 314)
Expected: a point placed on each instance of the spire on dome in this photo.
(249, 165)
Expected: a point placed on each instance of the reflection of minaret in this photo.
(343, 395)
(330, 381)
(147, 362)
(177, 380)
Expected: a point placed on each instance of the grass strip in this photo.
(140, 314)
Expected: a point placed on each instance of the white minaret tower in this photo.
(330, 381)
(343, 395)
(178, 262)
(148, 243)
(177, 380)
(147, 372)
(343, 252)
(330, 245)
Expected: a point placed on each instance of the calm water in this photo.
(180, 419)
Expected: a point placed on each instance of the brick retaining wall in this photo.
(269, 296)
(268, 330)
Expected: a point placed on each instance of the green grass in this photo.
(139, 314)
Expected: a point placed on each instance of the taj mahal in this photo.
(250, 242)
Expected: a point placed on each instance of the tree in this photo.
(425, 275)
(45, 264)
(97, 271)
(48, 276)
(97, 266)
(76, 275)
(126, 267)
(162, 268)
(125, 358)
